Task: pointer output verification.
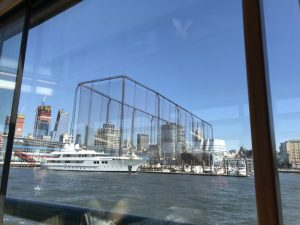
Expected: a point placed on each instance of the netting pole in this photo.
(108, 111)
(178, 151)
(122, 116)
(193, 133)
(89, 119)
(158, 126)
(132, 127)
(74, 114)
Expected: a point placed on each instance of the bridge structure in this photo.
(119, 115)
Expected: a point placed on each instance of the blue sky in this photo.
(190, 51)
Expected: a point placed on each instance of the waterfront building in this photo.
(31, 146)
(172, 141)
(61, 125)
(290, 152)
(78, 139)
(89, 137)
(212, 145)
(212, 149)
(6, 125)
(198, 138)
(19, 125)
(1, 140)
(64, 138)
(42, 121)
(142, 142)
(107, 139)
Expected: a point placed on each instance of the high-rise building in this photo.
(1, 141)
(290, 152)
(142, 142)
(78, 139)
(6, 125)
(19, 125)
(198, 138)
(42, 121)
(61, 125)
(107, 139)
(172, 140)
(89, 136)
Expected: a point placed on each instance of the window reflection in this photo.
(282, 35)
(190, 51)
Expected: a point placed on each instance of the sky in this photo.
(190, 51)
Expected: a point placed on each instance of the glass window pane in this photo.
(10, 41)
(282, 36)
(171, 140)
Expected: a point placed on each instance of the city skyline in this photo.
(60, 124)
(184, 65)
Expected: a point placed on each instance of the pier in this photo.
(23, 164)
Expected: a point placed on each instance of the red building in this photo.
(42, 121)
(19, 125)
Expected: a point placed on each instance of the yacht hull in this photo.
(107, 166)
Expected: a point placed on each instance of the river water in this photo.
(193, 199)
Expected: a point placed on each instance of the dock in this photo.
(23, 164)
(288, 171)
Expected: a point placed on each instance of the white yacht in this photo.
(72, 157)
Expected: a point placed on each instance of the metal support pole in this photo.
(193, 133)
(151, 130)
(122, 117)
(178, 151)
(74, 113)
(132, 127)
(14, 111)
(87, 132)
(108, 111)
(263, 141)
(158, 126)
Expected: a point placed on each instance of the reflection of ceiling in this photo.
(6, 84)
(8, 65)
(40, 90)
(7, 76)
(6, 5)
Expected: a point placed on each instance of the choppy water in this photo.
(200, 200)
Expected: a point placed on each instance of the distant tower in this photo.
(1, 141)
(19, 125)
(42, 121)
(107, 138)
(61, 125)
(142, 142)
(198, 139)
(78, 139)
(6, 126)
(172, 140)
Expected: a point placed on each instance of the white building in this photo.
(215, 147)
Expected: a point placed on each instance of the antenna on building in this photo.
(44, 100)
(22, 110)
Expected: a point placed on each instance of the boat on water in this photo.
(72, 157)
(241, 170)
